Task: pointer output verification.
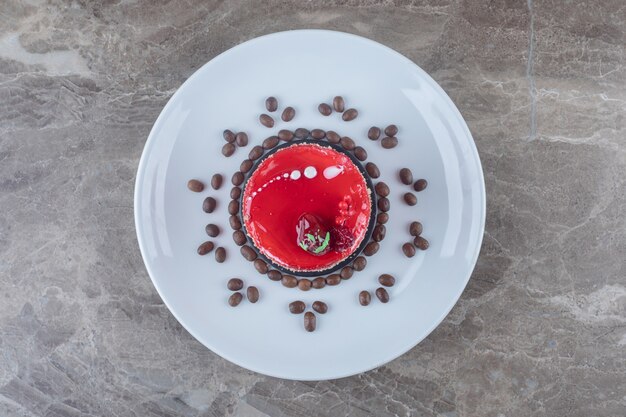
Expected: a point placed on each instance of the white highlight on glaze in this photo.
(286, 175)
(332, 171)
(295, 174)
(310, 172)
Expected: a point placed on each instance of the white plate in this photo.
(302, 69)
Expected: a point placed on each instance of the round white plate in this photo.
(302, 69)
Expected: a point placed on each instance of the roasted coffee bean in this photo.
(333, 137)
(318, 283)
(320, 307)
(255, 153)
(415, 229)
(391, 130)
(275, 275)
(379, 233)
(409, 250)
(195, 186)
(266, 120)
(228, 149)
(285, 135)
(325, 109)
(271, 104)
(248, 253)
(235, 284)
(235, 193)
(318, 134)
(246, 165)
(420, 185)
(365, 298)
(235, 299)
(296, 307)
(371, 248)
(406, 176)
(421, 243)
(253, 294)
(241, 139)
(212, 230)
(288, 114)
(261, 266)
(270, 142)
(237, 178)
(235, 222)
(216, 181)
(389, 142)
(373, 133)
(301, 133)
(384, 204)
(333, 279)
(205, 248)
(382, 218)
(239, 237)
(229, 136)
(382, 189)
(309, 321)
(304, 284)
(233, 207)
(289, 281)
(410, 199)
(360, 153)
(338, 104)
(382, 295)
(349, 115)
(386, 280)
(372, 170)
(359, 263)
(346, 272)
(220, 255)
(347, 143)
(208, 205)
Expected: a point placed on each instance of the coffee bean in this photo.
(271, 104)
(253, 294)
(289, 281)
(320, 307)
(229, 136)
(288, 114)
(255, 153)
(410, 199)
(205, 248)
(382, 218)
(420, 185)
(333, 137)
(382, 189)
(359, 263)
(384, 204)
(301, 133)
(241, 139)
(220, 255)
(391, 130)
(248, 253)
(228, 149)
(296, 307)
(246, 165)
(421, 243)
(349, 115)
(382, 295)
(365, 298)
(195, 186)
(346, 272)
(333, 279)
(386, 280)
(261, 266)
(237, 178)
(270, 142)
(235, 193)
(409, 250)
(285, 135)
(318, 134)
(389, 142)
(233, 207)
(406, 176)
(235, 299)
(338, 104)
(372, 170)
(325, 109)
(379, 233)
(239, 237)
(304, 284)
(415, 229)
(208, 205)
(371, 248)
(266, 120)
(347, 143)
(274, 275)
(309, 321)
(235, 284)
(235, 222)
(216, 181)
(318, 283)
(212, 230)
(360, 153)
(373, 133)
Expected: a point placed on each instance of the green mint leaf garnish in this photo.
(302, 245)
(311, 237)
(324, 244)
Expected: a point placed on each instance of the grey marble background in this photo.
(541, 328)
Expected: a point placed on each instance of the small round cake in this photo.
(308, 208)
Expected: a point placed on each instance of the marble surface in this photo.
(541, 328)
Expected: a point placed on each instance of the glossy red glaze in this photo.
(280, 192)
